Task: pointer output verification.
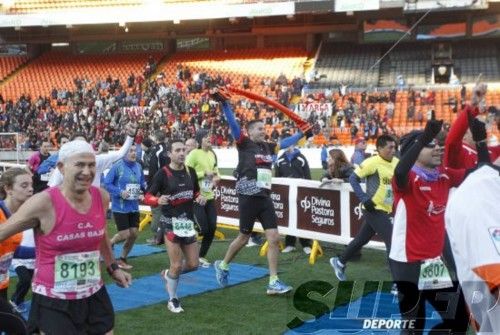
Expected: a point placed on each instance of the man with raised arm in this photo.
(253, 186)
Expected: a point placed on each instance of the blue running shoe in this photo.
(221, 274)
(278, 287)
(20, 308)
(339, 268)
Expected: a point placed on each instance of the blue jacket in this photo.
(48, 164)
(324, 154)
(358, 157)
(122, 175)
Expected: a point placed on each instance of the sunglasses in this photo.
(433, 144)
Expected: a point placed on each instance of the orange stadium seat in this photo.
(57, 69)
(9, 64)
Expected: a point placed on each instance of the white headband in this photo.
(74, 148)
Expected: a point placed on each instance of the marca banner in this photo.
(134, 111)
(305, 110)
(226, 201)
(318, 210)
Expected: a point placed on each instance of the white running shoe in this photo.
(174, 306)
(204, 263)
(288, 249)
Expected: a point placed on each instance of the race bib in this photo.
(183, 227)
(434, 275)
(133, 191)
(76, 272)
(5, 261)
(206, 185)
(45, 176)
(389, 195)
(264, 178)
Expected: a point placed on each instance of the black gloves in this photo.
(219, 95)
(477, 128)
(308, 134)
(369, 205)
(432, 128)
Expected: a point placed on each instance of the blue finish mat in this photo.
(139, 250)
(350, 318)
(150, 290)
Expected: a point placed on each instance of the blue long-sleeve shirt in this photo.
(125, 176)
(355, 182)
(48, 164)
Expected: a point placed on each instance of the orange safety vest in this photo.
(7, 249)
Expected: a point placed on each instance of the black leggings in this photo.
(23, 285)
(376, 222)
(10, 321)
(206, 217)
(448, 302)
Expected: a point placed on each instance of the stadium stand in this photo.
(472, 58)
(414, 64)
(257, 64)
(9, 64)
(58, 69)
(349, 64)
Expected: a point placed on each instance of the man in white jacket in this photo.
(103, 161)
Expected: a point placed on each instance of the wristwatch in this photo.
(112, 268)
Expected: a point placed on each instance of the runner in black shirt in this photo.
(175, 188)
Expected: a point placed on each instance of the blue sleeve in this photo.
(48, 164)
(109, 182)
(290, 140)
(357, 158)
(138, 152)
(356, 186)
(233, 125)
(24, 252)
(324, 155)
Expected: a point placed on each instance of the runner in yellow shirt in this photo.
(377, 201)
(204, 161)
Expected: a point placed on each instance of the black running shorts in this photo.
(92, 315)
(124, 221)
(252, 208)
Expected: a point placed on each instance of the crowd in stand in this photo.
(181, 106)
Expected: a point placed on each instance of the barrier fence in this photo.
(331, 213)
